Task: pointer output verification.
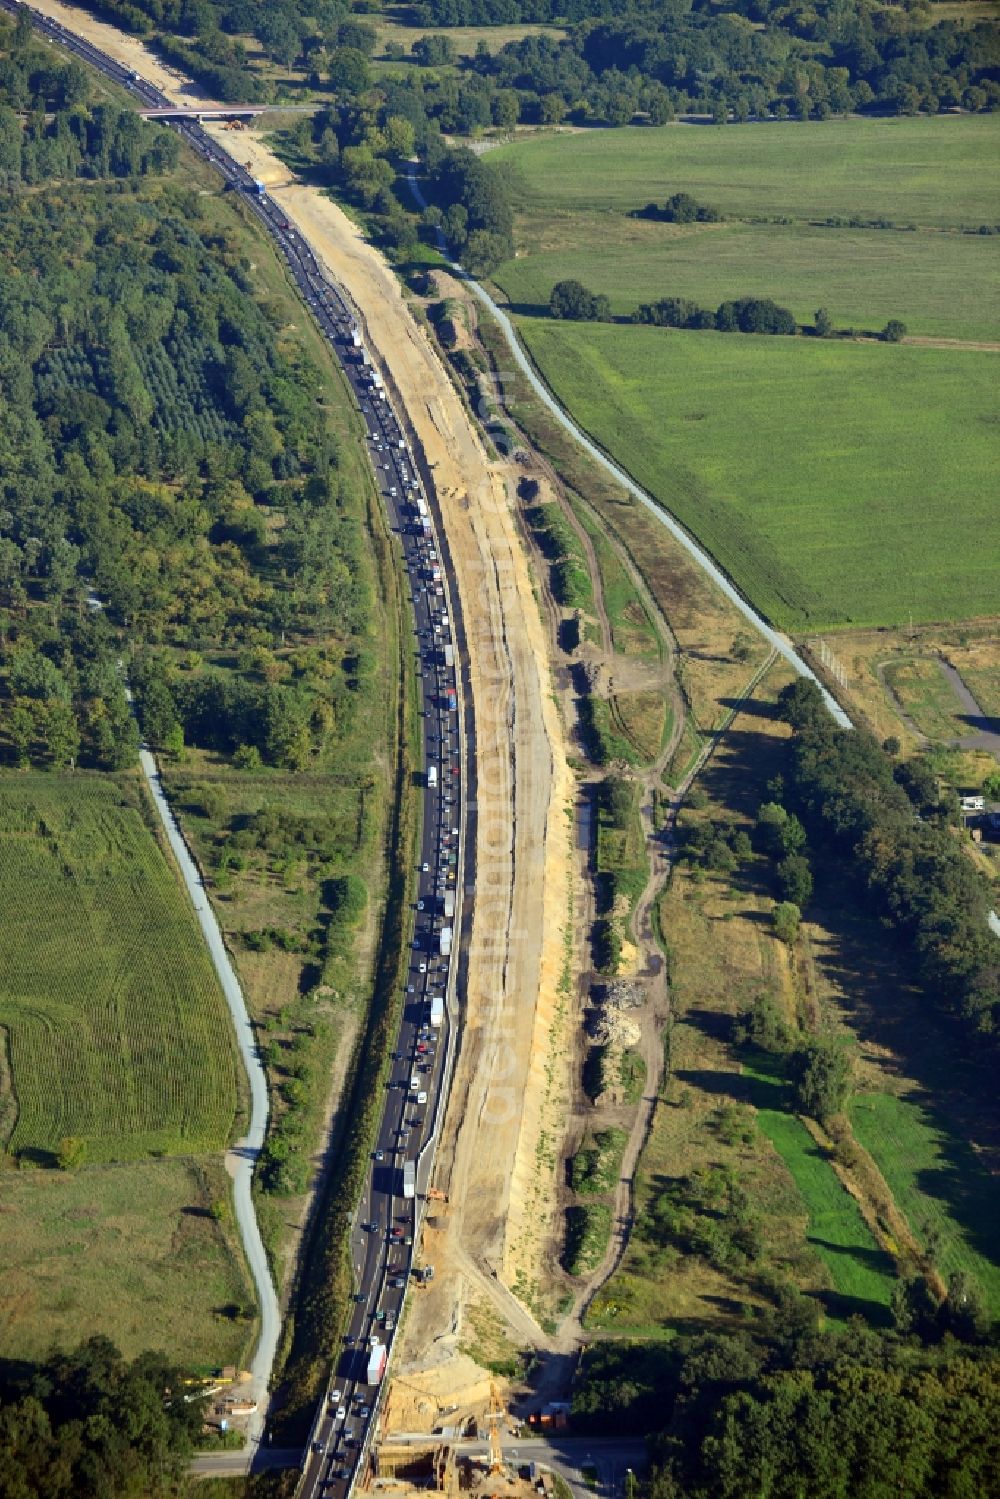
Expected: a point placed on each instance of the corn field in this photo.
(117, 1031)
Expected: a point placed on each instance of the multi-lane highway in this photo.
(386, 1227)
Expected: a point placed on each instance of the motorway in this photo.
(385, 1231)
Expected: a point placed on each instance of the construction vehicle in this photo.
(495, 1416)
(434, 1194)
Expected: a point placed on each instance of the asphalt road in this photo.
(386, 1225)
(594, 1468)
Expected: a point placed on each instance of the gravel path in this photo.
(242, 1156)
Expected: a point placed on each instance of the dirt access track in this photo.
(508, 1073)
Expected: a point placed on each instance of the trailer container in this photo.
(409, 1179)
(437, 1010)
(376, 1362)
(449, 655)
(449, 904)
(445, 941)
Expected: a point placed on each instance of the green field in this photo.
(828, 479)
(801, 267)
(132, 1252)
(861, 1272)
(117, 1030)
(921, 170)
(575, 195)
(938, 1183)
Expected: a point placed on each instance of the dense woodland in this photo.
(88, 1425)
(621, 58)
(165, 471)
(850, 1414)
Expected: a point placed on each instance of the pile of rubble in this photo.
(612, 1027)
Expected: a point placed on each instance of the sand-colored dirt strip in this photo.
(507, 1075)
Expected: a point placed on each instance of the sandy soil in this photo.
(128, 50)
(508, 1060)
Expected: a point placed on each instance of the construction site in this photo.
(469, 1459)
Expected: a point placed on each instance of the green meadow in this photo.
(576, 195)
(833, 481)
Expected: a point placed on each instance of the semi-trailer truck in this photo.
(376, 1362)
(409, 1179)
(445, 940)
(449, 904)
(449, 655)
(437, 1010)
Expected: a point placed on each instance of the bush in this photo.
(822, 1074)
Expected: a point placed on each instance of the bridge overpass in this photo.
(204, 111)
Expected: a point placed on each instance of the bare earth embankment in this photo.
(487, 1155)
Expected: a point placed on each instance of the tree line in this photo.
(571, 300)
(894, 828)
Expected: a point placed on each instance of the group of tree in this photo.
(166, 473)
(832, 1414)
(894, 829)
(738, 315)
(87, 1424)
(618, 60)
(474, 205)
(50, 128)
(570, 299)
(680, 208)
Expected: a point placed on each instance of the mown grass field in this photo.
(117, 1030)
(939, 1184)
(576, 195)
(130, 1251)
(830, 480)
(939, 284)
(927, 171)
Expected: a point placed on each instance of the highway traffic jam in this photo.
(388, 1218)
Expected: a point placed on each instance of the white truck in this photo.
(437, 1010)
(449, 655)
(376, 1363)
(432, 776)
(449, 904)
(409, 1179)
(445, 941)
